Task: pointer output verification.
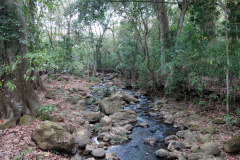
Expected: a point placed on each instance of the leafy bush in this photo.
(95, 79)
(45, 112)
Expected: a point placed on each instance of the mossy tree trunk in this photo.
(23, 99)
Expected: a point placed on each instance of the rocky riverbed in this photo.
(102, 120)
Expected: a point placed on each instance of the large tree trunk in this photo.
(23, 99)
(161, 12)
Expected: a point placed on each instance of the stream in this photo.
(135, 149)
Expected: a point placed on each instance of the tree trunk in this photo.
(161, 12)
(23, 99)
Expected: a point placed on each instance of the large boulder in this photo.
(191, 120)
(127, 97)
(26, 120)
(52, 136)
(93, 117)
(124, 117)
(110, 105)
(232, 145)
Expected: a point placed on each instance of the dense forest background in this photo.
(155, 45)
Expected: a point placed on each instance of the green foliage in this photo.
(198, 84)
(95, 79)
(54, 152)
(22, 154)
(96, 127)
(119, 139)
(45, 112)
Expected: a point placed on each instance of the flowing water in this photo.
(135, 149)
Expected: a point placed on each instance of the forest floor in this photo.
(17, 142)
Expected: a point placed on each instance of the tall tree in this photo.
(17, 96)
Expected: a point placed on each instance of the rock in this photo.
(195, 127)
(218, 121)
(101, 144)
(52, 136)
(172, 155)
(89, 149)
(152, 114)
(149, 140)
(179, 146)
(127, 97)
(206, 138)
(83, 93)
(82, 132)
(112, 156)
(131, 103)
(76, 157)
(80, 107)
(106, 121)
(92, 117)
(188, 135)
(82, 141)
(82, 102)
(101, 135)
(16, 141)
(88, 95)
(26, 120)
(161, 153)
(191, 120)
(98, 153)
(196, 149)
(180, 133)
(171, 137)
(232, 145)
(128, 127)
(106, 138)
(144, 125)
(123, 102)
(110, 105)
(177, 115)
(57, 118)
(139, 106)
(210, 148)
(123, 117)
(209, 129)
(169, 119)
(152, 129)
(196, 156)
(119, 130)
(49, 95)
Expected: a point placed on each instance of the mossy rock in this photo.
(52, 136)
(196, 149)
(218, 121)
(195, 127)
(26, 120)
(57, 118)
(191, 120)
(209, 129)
(206, 138)
(232, 145)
